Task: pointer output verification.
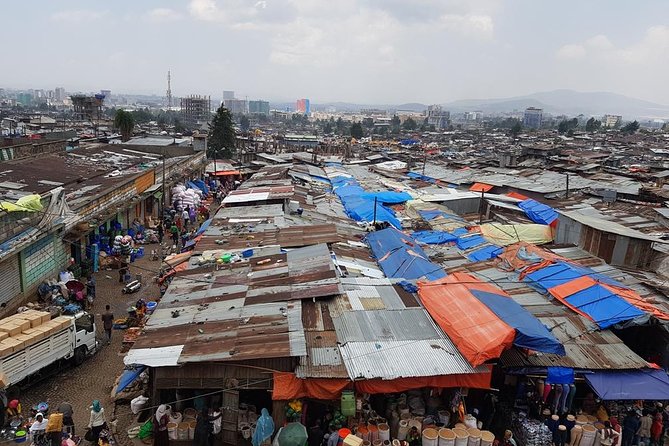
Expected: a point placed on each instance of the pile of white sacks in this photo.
(184, 197)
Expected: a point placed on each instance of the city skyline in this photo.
(364, 51)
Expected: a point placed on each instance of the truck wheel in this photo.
(80, 354)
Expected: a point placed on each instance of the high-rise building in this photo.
(533, 117)
(611, 121)
(303, 106)
(237, 106)
(438, 117)
(228, 95)
(196, 110)
(259, 108)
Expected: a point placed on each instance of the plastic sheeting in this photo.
(538, 212)
(28, 203)
(387, 197)
(128, 377)
(530, 333)
(470, 241)
(432, 214)
(418, 176)
(481, 320)
(433, 237)
(486, 253)
(644, 384)
(399, 256)
(505, 235)
(560, 375)
(480, 187)
(601, 305)
(358, 208)
(559, 273)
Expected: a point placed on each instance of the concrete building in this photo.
(611, 121)
(259, 108)
(533, 117)
(438, 117)
(88, 108)
(228, 95)
(237, 106)
(196, 110)
(303, 106)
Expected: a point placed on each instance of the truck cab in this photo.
(85, 343)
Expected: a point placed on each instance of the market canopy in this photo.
(482, 320)
(360, 208)
(644, 384)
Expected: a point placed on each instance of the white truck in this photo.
(45, 346)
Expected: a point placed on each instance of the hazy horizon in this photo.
(356, 51)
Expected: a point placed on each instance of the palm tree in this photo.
(125, 122)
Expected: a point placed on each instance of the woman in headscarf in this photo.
(38, 429)
(160, 434)
(615, 425)
(97, 421)
(204, 428)
(264, 428)
(656, 428)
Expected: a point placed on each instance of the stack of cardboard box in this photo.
(27, 328)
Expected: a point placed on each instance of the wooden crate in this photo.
(10, 345)
(11, 328)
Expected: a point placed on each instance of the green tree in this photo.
(221, 134)
(592, 125)
(410, 124)
(178, 126)
(244, 123)
(630, 127)
(143, 115)
(328, 128)
(516, 128)
(567, 124)
(356, 130)
(125, 123)
(340, 125)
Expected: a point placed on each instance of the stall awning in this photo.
(645, 384)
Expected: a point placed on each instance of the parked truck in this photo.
(34, 345)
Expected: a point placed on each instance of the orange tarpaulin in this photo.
(561, 292)
(480, 187)
(517, 195)
(477, 332)
(287, 386)
(511, 260)
(470, 380)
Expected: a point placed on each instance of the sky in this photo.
(362, 51)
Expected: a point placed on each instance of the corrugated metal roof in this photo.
(403, 359)
(374, 325)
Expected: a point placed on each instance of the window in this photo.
(85, 322)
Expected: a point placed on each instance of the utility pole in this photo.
(481, 206)
(566, 193)
(164, 190)
(424, 161)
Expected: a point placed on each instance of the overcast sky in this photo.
(364, 51)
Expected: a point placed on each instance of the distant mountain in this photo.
(568, 102)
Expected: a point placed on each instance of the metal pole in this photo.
(481, 206)
(566, 193)
(374, 223)
(424, 162)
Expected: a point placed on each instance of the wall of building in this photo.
(31, 149)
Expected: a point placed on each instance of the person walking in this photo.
(630, 428)
(646, 423)
(174, 230)
(161, 232)
(68, 422)
(96, 422)
(108, 323)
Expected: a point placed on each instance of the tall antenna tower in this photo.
(169, 91)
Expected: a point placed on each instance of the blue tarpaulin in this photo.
(530, 333)
(358, 208)
(202, 185)
(127, 377)
(388, 197)
(538, 212)
(560, 375)
(470, 241)
(485, 253)
(409, 142)
(432, 214)
(418, 176)
(559, 273)
(459, 232)
(644, 384)
(433, 237)
(604, 307)
(203, 227)
(399, 256)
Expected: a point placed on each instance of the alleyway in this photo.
(95, 377)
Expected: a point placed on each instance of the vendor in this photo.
(13, 409)
(140, 307)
